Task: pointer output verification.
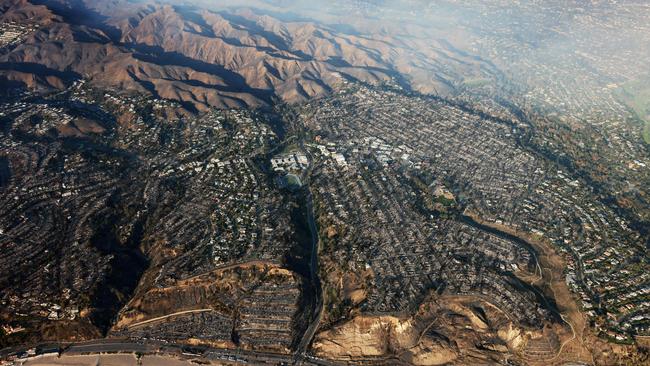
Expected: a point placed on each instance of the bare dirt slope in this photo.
(235, 58)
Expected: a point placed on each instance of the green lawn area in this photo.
(289, 148)
(475, 83)
(444, 201)
(636, 95)
(293, 181)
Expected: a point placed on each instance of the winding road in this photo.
(308, 336)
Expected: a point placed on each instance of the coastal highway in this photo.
(123, 346)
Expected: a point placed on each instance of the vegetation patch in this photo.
(636, 95)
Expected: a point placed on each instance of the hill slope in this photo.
(232, 58)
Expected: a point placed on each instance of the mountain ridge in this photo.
(205, 58)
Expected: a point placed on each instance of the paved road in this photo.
(313, 266)
(162, 349)
(104, 347)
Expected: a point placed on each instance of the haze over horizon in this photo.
(412, 182)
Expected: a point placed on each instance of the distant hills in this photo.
(239, 57)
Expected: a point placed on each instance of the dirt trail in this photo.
(552, 265)
(168, 316)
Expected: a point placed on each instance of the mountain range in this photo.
(226, 58)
